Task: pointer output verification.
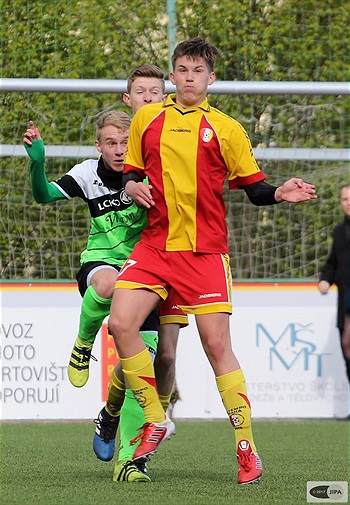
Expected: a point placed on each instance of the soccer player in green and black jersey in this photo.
(116, 224)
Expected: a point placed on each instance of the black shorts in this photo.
(152, 321)
(86, 269)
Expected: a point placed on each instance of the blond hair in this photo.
(115, 118)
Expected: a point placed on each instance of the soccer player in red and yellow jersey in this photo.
(187, 148)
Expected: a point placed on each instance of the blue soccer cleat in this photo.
(105, 433)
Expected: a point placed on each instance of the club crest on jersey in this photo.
(125, 198)
(206, 134)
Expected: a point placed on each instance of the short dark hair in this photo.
(196, 48)
(145, 70)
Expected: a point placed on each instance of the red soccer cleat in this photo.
(151, 436)
(249, 463)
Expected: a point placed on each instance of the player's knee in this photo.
(117, 326)
(104, 283)
(165, 359)
(105, 289)
(215, 350)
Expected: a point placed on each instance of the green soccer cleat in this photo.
(78, 368)
(127, 471)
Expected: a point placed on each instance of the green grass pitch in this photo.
(44, 463)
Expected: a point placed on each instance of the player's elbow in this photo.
(42, 199)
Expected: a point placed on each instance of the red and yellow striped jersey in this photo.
(187, 155)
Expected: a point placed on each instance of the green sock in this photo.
(93, 311)
(131, 418)
(131, 414)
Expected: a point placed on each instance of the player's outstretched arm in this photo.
(34, 144)
(295, 190)
(43, 191)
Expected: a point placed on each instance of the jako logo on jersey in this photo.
(206, 134)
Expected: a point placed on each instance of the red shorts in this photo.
(169, 312)
(198, 283)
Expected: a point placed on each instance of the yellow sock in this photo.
(139, 372)
(165, 401)
(233, 392)
(116, 395)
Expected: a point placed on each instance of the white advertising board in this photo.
(283, 334)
